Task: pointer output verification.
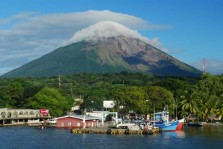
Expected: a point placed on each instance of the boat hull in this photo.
(180, 125)
(195, 124)
(171, 126)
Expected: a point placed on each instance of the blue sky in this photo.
(189, 30)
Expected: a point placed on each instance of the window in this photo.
(9, 115)
(26, 113)
(3, 114)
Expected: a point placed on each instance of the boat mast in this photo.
(176, 110)
(154, 117)
(167, 115)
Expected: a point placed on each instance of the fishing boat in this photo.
(193, 120)
(162, 121)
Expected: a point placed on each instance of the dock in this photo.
(114, 131)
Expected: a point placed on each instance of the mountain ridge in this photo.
(112, 54)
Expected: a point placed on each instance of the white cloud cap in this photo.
(105, 29)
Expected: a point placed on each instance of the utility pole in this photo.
(59, 82)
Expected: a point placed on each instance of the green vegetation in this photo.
(49, 98)
(132, 91)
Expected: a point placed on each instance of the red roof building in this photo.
(77, 121)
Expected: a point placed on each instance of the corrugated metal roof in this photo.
(79, 117)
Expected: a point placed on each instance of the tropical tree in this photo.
(51, 99)
(210, 89)
(131, 98)
(159, 96)
(190, 101)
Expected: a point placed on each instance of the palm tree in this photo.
(190, 101)
(210, 107)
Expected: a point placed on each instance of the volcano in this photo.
(105, 47)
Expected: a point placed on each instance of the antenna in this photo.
(204, 66)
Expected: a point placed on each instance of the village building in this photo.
(103, 114)
(22, 116)
(77, 121)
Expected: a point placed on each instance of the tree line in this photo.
(136, 92)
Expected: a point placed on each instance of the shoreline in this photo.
(37, 125)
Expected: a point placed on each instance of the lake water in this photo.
(52, 138)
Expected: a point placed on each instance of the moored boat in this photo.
(162, 121)
(195, 124)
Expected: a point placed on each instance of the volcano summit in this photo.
(105, 47)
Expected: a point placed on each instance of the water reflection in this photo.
(177, 134)
(210, 132)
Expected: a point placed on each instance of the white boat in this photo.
(33, 122)
(128, 125)
(135, 125)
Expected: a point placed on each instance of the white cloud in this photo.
(213, 66)
(105, 29)
(15, 19)
(37, 34)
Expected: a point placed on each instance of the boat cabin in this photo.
(161, 116)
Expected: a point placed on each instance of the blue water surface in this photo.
(53, 138)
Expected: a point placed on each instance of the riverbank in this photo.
(204, 124)
(29, 125)
(218, 124)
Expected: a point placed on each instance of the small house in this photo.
(76, 121)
